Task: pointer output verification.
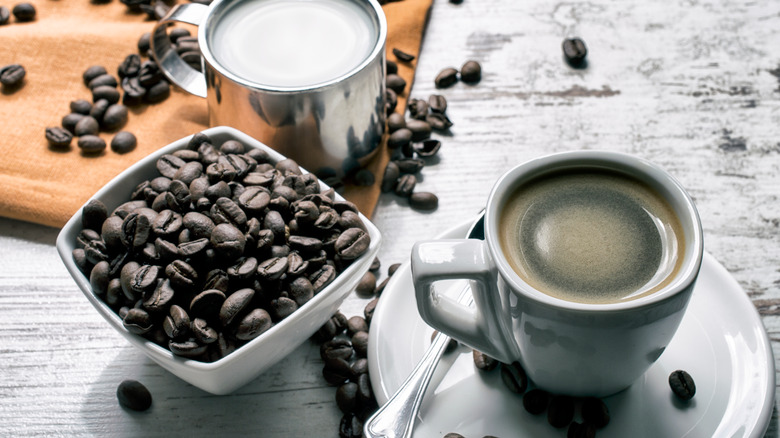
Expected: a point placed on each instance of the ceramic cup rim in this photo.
(372, 7)
(633, 166)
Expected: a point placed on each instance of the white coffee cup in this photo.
(565, 346)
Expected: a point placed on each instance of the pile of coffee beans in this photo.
(470, 73)
(12, 77)
(218, 248)
(22, 12)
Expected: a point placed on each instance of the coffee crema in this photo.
(292, 43)
(591, 236)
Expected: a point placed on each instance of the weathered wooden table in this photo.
(692, 85)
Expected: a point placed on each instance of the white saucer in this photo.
(721, 342)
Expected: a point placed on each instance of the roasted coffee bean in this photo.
(381, 287)
(130, 66)
(471, 72)
(364, 178)
(150, 74)
(244, 269)
(560, 412)
(396, 83)
(393, 268)
(87, 126)
(439, 122)
(200, 225)
(80, 106)
(390, 178)
(288, 166)
(24, 12)
(58, 137)
(182, 275)
(136, 229)
(91, 144)
(272, 269)
(115, 117)
(123, 142)
(574, 51)
(514, 377)
(99, 278)
(158, 92)
(418, 109)
(104, 79)
(5, 15)
(133, 395)
(144, 42)
(395, 122)
(391, 67)
(69, 121)
(93, 215)
(336, 371)
(202, 332)
(360, 343)
(580, 430)
(177, 33)
(134, 91)
(350, 426)
(161, 298)
(682, 385)
(257, 322)
(437, 103)
(446, 78)
(427, 148)
(225, 211)
(405, 185)
(535, 401)
(595, 412)
(235, 304)
(177, 323)
(93, 72)
(322, 277)
(99, 109)
(368, 311)
(137, 321)
(483, 361)
(453, 435)
(403, 56)
(352, 243)
(366, 285)
(207, 304)
(283, 307)
(391, 101)
(356, 324)
(106, 92)
(409, 165)
(326, 332)
(168, 164)
(347, 398)
(336, 348)
(12, 76)
(191, 171)
(189, 348)
(143, 279)
(402, 137)
(420, 129)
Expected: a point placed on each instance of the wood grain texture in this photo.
(691, 85)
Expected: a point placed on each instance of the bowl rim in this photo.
(65, 244)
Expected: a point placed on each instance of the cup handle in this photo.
(178, 71)
(482, 328)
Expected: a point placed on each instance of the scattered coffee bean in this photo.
(390, 178)
(5, 15)
(437, 103)
(405, 185)
(574, 51)
(396, 83)
(93, 72)
(91, 144)
(424, 201)
(483, 361)
(403, 56)
(420, 130)
(400, 138)
(395, 122)
(682, 385)
(80, 106)
(24, 12)
(514, 377)
(595, 412)
(106, 92)
(581, 430)
(115, 117)
(58, 137)
(12, 76)
(446, 78)
(104, 79)
(471, 72)
(132, 394)
(87, 126)
(123, 142)
(350, 426)
(360, 343)
(145, 42)
(366, 285)
(392, 67)
(560, 412)
(535, 401)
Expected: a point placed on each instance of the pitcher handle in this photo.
(171, 64)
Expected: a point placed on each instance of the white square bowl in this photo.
(253, 358)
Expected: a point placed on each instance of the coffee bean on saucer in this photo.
(560, 412)
(471, 72)
(24, 12)
(514, 377)
(132, 394)
(682, 385)
(12, 76)
(535, 401)
(595, 412)
(123, 142)
(483, 361)
(446, 78)
(403, 56)
(58, 137)
(574, 51)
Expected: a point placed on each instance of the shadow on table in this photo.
(28, 231)
(290, 399)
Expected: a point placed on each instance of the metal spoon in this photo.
(396, 418)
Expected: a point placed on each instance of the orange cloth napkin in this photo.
(46, 186)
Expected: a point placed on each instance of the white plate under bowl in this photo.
(250, 360)
(721, 342)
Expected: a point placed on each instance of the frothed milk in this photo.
(292, 43)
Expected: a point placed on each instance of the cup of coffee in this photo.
(588, 264)
(306, 77)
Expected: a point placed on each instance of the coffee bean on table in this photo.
(595, 412)
(425, 201)
(395, 122)
(471, 72)
(396, 83)
(24, 12)
(69, 121)
(123, 142)
(405, 185)
(437, 103)
(115, 117)
(574, 51)
(58, 137)
(145, 42)
(682, 385)
(129, 66)
(364, 178)
(91, 144)
(80, 106)
(5, 15)
(12, 76)
(514, 377)
(359, 342)
(560, 411)
(132, 394)
(350, 426)
(158, 92)
(391, 101)
(446, 78)
(403, 56)
(391, 66)
(99, 109)
(438, 121)
(104, 79)
(483, 361)
(420, 130)
(346, 397)
(366, 285)
(453, 435)
(93, 72)
(535, 401)
(107, 92)
(401, 137)
(418, 109)
(87, 126)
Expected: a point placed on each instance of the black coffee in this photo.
(591, 237)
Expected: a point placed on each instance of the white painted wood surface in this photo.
(692, 85)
